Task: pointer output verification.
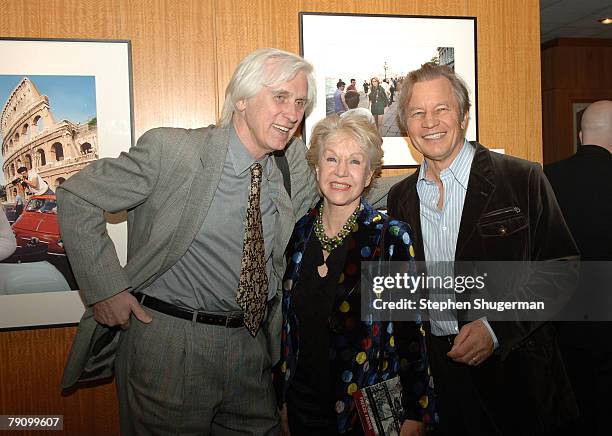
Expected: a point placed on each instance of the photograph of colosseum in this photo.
(63, 104)
(48, 125)
(49, 132)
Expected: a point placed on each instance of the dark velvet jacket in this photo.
(510, 214)
(362, 353)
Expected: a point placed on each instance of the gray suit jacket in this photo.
(166, 182)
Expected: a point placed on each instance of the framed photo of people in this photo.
(361, 61)
(64, 104)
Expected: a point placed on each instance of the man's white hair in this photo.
(265, 67)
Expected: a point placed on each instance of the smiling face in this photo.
(434, 122)
(268, 120)
(343, 172)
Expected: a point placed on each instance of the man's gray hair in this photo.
(431, 71)
(265, 67)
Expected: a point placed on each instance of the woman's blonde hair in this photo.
(351, 125)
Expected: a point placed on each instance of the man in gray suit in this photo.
(187, 364)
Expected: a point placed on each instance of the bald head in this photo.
(596, 126)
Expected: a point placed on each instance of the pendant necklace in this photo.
(329, 244)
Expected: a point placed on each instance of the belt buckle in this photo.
(229, 319)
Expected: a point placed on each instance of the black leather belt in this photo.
(231, 321)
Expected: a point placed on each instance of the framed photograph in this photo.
(366, 57)
(64, 104)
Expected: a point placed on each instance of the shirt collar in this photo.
(594, 150)
(459, 168)
(240, 158)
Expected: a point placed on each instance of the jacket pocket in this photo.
(504, 234)
(505, 212)
(502, 222)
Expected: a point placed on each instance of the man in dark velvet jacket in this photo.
(497, 378)
(583, 186)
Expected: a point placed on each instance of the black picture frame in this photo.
(345, 46)
(110, 63)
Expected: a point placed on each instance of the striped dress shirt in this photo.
(440, 229)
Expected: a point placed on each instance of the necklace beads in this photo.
(329, 244)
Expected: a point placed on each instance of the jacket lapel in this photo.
(301, 235)
(285, 217)
(213, 150)
(363, 248)
(411, 212)
(477, 196)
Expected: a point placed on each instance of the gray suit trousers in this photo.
(177, 377)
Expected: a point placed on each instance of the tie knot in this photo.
(256, 171)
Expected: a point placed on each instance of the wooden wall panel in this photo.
(509, 76)
(173, 57)
(183, 53)
(245, 26)
(574, 70)
(174, 79)
(508, 54)
(30, 373)
(173, 49)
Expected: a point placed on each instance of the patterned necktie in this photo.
(253, 286)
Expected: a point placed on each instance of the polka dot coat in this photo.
(361, 353)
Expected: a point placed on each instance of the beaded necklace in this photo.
(328, 244)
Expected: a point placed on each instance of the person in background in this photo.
(322, 299)
(583, 186)
(18, 204)
(352, 101)
(7, 237)
(339, 101)
(392, 85)
(385, 85)
(378, 103)
(32, 182)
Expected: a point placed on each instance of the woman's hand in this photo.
(412, 428)
(284, 421)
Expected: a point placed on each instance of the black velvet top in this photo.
(313, 300)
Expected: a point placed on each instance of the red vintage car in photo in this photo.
(38, 224)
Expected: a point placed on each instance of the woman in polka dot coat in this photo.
(360, 353)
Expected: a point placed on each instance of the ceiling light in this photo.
(607, 20)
